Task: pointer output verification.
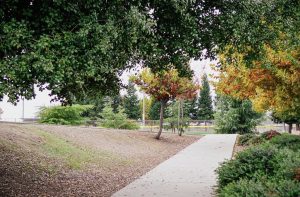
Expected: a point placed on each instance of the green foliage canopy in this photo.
(79, 49)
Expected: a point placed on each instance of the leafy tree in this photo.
(260, 55)
(205, 109)
(289, 117)
(79, 49)
(190, 108)
(165, 86)
(249, 25)
(131, 103)
(97, 103)
(179, 115)
(235, 116)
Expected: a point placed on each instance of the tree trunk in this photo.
(161, 119)
(290, 128)
(297, 126)
(181, 117)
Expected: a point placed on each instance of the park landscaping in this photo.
(78, 53)
(47, 160)
(267, 164)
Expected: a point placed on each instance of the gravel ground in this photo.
(27, 170)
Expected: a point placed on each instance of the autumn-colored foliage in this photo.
(165, 86)
(273, 82)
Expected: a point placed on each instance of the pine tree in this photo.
(205, 109)
(154, 111)
(235, 116)
(131, 103)
(116, 102)
(190, 108)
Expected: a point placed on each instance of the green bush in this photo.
(287, 141)
(116, 120)
(257, 140)
(235, 116)
(262, 188)
(255, 161)
(259, 161)
(65, 115)
(245, 139)
(269, 169)
(130, 125)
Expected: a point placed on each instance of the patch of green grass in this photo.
(7, 145)
(75, 157)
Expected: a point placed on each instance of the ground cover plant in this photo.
(270, 166)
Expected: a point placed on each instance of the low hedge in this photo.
(262, 188)
(287, 141)
(268, 169)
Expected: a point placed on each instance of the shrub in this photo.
(256, 140)
(262, 188)
(65, 115)
(235, 116)
(244, 139)
(116, 120)
(247, 164)
(287, 141)
(259, 161)
(130, 125)
(270, 134)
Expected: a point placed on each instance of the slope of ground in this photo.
(43, 160)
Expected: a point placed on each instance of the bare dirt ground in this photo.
(44, 160)
(238, 148)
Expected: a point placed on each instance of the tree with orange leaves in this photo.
(165, 86)
(271, 82)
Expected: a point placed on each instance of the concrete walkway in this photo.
(191, 172)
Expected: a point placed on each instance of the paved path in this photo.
(188, 173)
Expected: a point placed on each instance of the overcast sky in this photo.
(14, 113)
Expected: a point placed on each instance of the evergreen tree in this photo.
(116, 102)
(131, 103)
(97, 103)
(154, 110)
(190, 108)
(205, 109)
(235, 116)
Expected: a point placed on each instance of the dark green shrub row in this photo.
(245, 139)
(261, 188)
(287, 140)
(279, 140)
(268, 169)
